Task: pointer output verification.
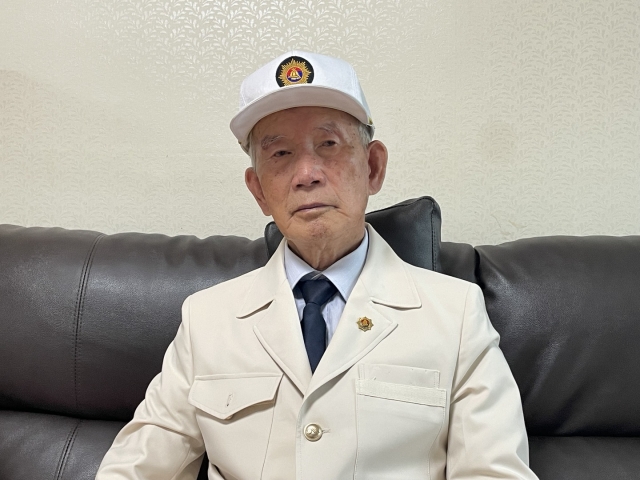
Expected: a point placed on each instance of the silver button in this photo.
(313, 432)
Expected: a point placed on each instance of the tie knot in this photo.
(317, 291)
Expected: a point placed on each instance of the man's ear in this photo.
(253, 184)
(377, 160)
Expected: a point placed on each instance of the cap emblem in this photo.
(294, 71)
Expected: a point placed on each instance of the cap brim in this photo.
(307, 95)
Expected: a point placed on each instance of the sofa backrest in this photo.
(411, 228)
(568, 312)
(86, 317)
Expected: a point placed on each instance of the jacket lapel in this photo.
(279, 328)
(384, 281)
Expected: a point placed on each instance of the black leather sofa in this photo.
(85, 319)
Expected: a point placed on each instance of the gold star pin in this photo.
(364, 324)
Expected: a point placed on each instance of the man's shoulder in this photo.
(430, 281)
(384, 257)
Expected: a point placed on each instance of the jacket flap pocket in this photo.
(435, 397)
(224, 395)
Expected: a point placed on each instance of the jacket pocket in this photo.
(224, 395)
(397, 425)
(235, 414)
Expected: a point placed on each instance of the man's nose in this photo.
(308, 170)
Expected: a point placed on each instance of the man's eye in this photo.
(329, 143)
(280, 153)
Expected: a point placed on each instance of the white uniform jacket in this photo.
(424, 394)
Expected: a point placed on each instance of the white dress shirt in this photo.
(343, 274)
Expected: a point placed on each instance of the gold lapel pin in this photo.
(364, 324)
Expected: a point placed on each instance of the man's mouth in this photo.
(311, 206)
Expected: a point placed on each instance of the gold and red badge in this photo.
(365, 324)
(294, 71)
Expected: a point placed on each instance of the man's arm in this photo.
(163, 440)
(487, 436)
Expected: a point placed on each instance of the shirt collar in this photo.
(343, 274)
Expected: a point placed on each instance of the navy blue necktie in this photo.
(314, 329)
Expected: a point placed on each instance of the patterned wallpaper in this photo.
(521, 117)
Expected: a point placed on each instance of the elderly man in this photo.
(336, 360)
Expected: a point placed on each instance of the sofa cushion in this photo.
(568, 311)
(411, 228)
(39, 446)
(585, 458)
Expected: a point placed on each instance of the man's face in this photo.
(313, 175)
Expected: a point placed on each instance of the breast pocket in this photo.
(235, 413)
(397, 423)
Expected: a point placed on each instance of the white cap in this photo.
(299, 79)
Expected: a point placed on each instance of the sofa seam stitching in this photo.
(62, 462)
(79, 308)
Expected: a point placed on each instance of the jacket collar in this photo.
(384, 276)
(265, 284)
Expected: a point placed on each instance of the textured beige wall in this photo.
(521, 118)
